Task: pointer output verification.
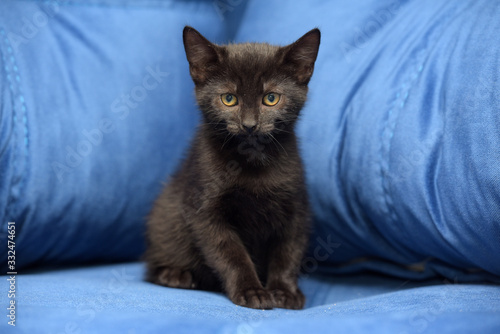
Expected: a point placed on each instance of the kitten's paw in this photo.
(176, 278)
(284, 298)
(258, 298)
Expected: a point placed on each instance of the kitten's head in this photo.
(250, 89)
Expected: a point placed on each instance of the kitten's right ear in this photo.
(201, 54)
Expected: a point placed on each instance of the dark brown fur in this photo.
(235, 216)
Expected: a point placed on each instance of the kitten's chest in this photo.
(257, 216)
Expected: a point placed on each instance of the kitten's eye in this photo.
(229, 100)
(271, 99)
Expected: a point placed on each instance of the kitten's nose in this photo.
(248, 123)
(249, 128)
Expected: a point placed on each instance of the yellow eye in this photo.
(229, 100)
(271, 99)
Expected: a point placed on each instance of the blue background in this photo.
(400, 139)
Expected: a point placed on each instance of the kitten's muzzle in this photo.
(249, 124)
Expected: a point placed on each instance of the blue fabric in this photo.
(96, 111)
(115, 299)
(399, 137)
(401, 131)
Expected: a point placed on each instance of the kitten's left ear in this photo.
(301, 55)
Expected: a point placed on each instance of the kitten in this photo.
(235, 216)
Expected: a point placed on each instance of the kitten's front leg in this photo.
(283, 270)
(224, 251)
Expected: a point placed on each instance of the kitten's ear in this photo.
(201, 54)
(301, 55)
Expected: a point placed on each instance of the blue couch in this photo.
(400, 139)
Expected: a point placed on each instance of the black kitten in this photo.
(235, 216)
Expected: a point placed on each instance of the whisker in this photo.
(229, 136)
(281, 130)
(274, 140)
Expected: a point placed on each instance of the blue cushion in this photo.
(401, 132)
(399, 137)
(97, 108)
(115, 299)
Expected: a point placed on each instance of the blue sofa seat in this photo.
(115, 299)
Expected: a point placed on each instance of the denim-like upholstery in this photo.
(400, 139)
